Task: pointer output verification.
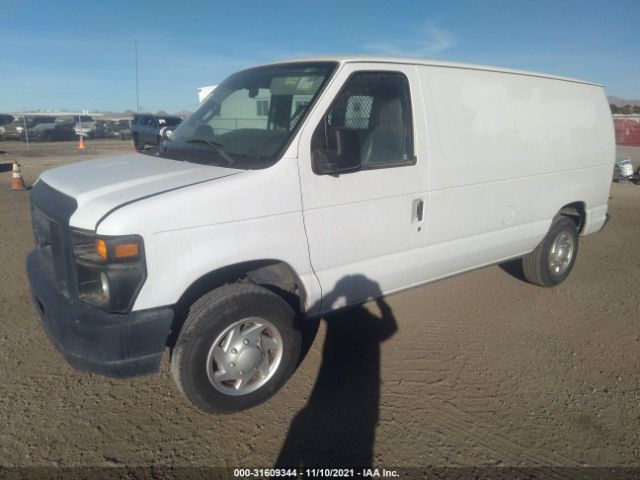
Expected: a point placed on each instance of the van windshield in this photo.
(250, 117)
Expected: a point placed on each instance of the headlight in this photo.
(109, 270)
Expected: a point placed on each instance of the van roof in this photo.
(342, 59)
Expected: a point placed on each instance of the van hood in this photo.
(101, 185)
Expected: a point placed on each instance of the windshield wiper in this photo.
(216, 146)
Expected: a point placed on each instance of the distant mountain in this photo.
(621, 102)
(183, 113)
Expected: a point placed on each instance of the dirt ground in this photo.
(478, 369)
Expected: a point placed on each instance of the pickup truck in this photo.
(147, 129)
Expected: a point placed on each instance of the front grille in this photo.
(48, 233)
(51, 211)
(41, 228)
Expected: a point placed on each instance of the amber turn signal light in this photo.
(127, 250)
(101, 248)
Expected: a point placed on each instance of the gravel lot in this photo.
(483, 369)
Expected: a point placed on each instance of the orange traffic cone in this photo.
(17, 182)
(81, 146)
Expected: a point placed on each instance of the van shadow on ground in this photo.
(337, 426)
(514, 268)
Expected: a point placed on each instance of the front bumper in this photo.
(115, 345)
(13, 135)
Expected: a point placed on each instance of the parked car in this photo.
(125, 134)
(119, 129)
(147, 129)
(15, 129)
(301, 187)
(61, 128)
(100, 129)
(5, 120)
(83, 125)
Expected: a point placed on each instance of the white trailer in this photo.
(204, 92)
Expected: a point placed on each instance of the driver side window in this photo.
(375, 107)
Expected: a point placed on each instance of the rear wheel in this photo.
(237, 348)
(551, 262)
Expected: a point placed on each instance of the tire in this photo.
(544, 267)
(136, 143)
(232, 326)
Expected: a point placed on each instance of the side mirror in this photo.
(345, 157)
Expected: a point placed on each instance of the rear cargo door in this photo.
(366, 227)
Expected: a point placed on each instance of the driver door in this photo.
(365, 227)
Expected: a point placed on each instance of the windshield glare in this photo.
(250, 117)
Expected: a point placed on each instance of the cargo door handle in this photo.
(419, 209)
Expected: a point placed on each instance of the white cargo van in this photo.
(300, 187)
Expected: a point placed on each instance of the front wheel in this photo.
(237, 348)
(550, 263)
(136, 143)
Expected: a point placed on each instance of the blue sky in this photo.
(79, 54)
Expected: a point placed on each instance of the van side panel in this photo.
(507, 152)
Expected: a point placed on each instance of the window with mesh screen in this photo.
(377, 106)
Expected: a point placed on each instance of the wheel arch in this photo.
(276, 275)
(576, 211)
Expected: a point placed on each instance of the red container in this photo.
(627, 131)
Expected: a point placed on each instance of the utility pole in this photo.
(135, 47)
(26, 131)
